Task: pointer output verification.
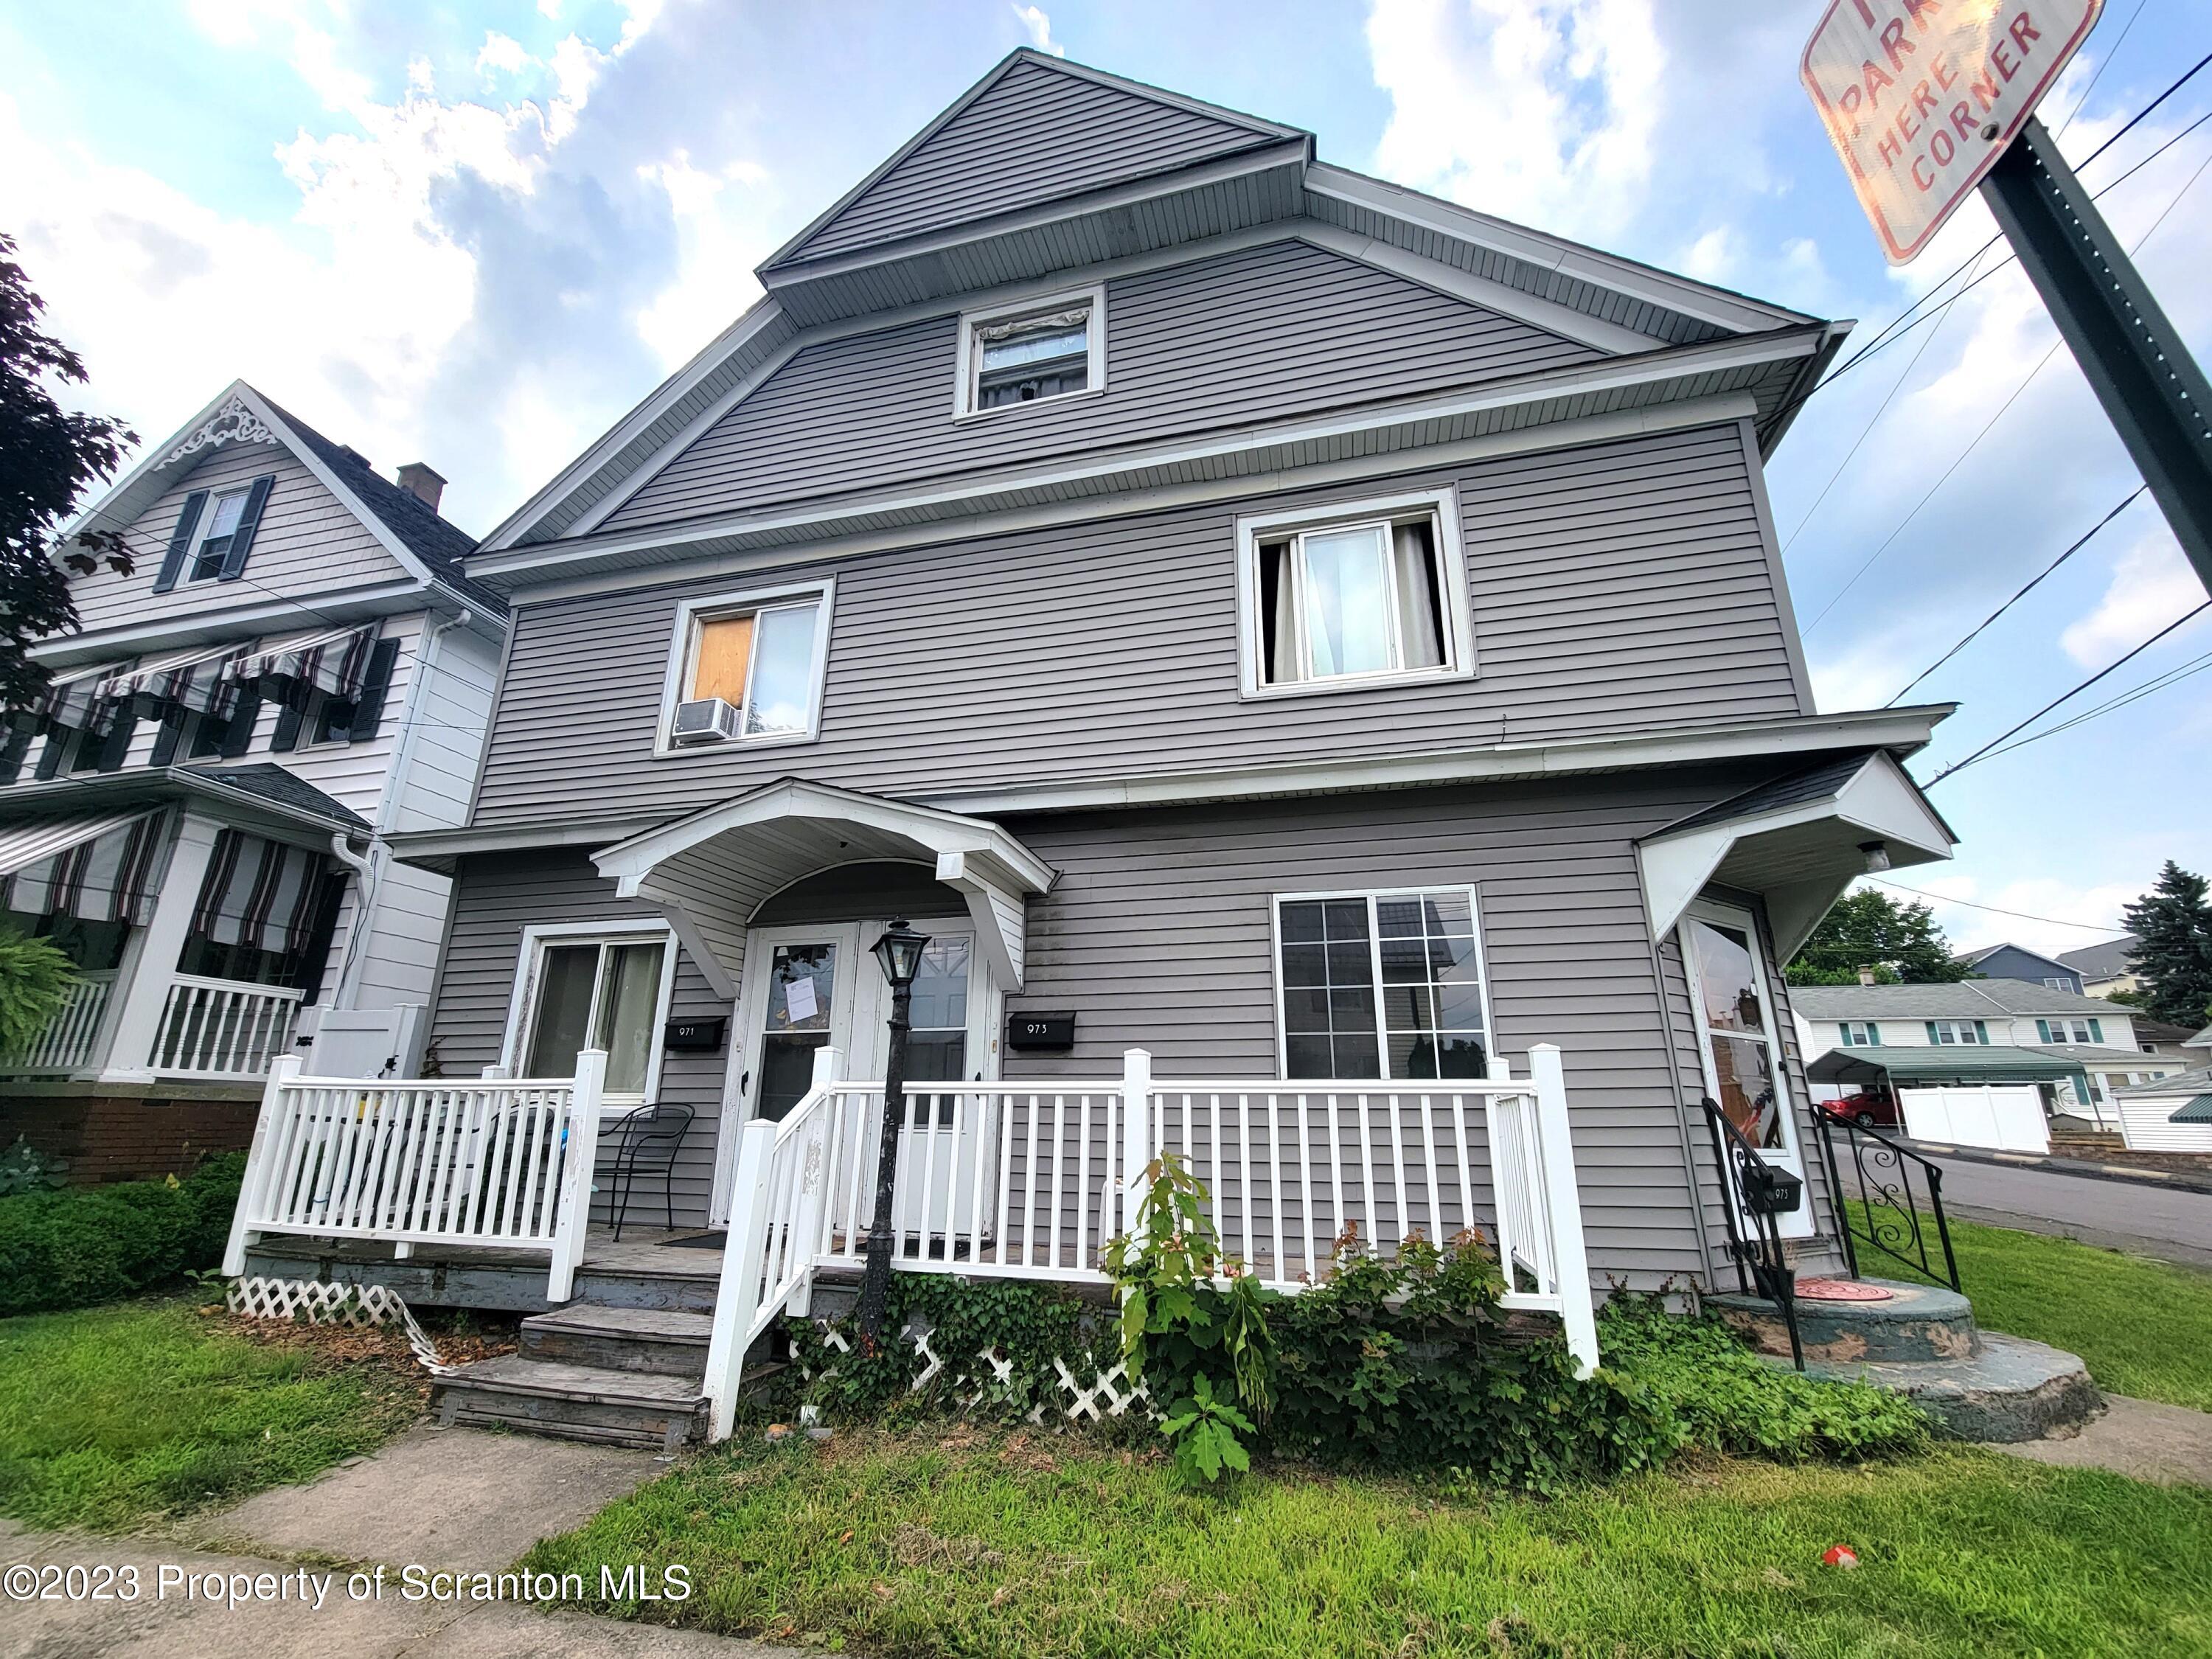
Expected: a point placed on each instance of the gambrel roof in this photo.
(1047, 173)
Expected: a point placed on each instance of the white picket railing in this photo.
(1031, 1180)
(503, 1162)
(72, 1037)
(219, 1028)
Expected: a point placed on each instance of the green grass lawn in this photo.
(118, 1416)
(2144, 1328)
(950, 1541)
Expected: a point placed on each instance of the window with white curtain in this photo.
(595, 992)
(1367, 595)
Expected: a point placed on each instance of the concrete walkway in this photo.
(2170, 1445)
(451, 1501)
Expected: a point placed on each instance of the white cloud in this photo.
(720, 241)
(2152, 584)
(1040, 29)
(503, 54)
(2041, 908)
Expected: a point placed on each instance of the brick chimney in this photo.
(1866, 977)
(423, 483)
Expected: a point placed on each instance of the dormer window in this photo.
(1372, 593)
(1031, 353)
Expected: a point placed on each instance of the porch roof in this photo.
(25, 843)
(1798, 840)
(1965, 1063)
(260, 795)
(709, 871)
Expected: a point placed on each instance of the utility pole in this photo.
(2132, 355)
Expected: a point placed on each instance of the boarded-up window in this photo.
(725, 649)
(765, 661)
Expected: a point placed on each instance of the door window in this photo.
(802, 993)
(936, 1038)
(1738, 1030)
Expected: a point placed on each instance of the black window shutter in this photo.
(238, 735)
(180, 541)
(171, 734)
(12, 751)
(368, 708)
(249, 520)
(315, 955)
(290, 713)
(50, 757)
(115, 741)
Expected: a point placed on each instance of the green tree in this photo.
(2174, 922)
(49, 457)
(1869, 929)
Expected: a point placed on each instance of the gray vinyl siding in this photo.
(1037, 135)
(1616, 587)
(307, 544)
(494, 898)
(1262, 334)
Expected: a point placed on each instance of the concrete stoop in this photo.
(1923, 1343)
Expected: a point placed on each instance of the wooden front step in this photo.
(665, 1341)
(580, 1402)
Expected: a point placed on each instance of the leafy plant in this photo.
(1191, 1316)
(35, 978)
(90, 1245)
(25, 1169)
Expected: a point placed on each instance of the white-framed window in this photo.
(1365, 593)
(219, 524)
(1861, 1034)
(593, 985)
(2070, 1031)
(1031, 352)
(761, 652)
(1387, 984)
(1957, 1030)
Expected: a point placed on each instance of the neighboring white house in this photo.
(2173, 1114)
(196, 810)
(2075, 1050)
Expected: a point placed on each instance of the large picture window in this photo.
(584, 989)
(1381, 985)
(1369, 594)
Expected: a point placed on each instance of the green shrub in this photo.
(79, 1248)
(1724, 1398)
(34, 982)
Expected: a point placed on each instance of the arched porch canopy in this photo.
(709, 872)
(1798, 842)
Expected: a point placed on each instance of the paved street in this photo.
(2125, 1215)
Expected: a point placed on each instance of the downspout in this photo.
(366, 866)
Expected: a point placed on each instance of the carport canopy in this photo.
(709, 871)
(1930, 1067)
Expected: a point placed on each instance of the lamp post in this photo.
(899, 951)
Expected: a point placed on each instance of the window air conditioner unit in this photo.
(709, 720)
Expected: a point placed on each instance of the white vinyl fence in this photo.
(2007, 1118)
(503, 1162)
(1031, 1180)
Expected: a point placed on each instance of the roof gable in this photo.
(1971, 999)
(1035, 129)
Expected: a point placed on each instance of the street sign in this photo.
(1921, 97)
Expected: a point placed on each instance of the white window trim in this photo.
(536, 936)
(968, 360)
(690, 612)
(1275, 903)
(204, 532)
(1451, 579)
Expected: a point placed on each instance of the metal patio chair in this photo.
(647, 1143)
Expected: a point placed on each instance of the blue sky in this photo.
(476, 234)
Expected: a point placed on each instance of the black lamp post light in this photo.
(899, 951)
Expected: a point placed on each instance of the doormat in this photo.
(696, 1242)
(1841, 1289)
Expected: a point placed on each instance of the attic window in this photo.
(1033, 352)
(223, 514)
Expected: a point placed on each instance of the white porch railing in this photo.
(72, 1039)
(1031, 1180)
(505, 1163)
(219, 1028)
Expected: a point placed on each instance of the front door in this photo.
(1740, 1041)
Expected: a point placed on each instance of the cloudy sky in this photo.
(476, 234)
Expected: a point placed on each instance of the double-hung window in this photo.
(1372, 593)
(2070, 1031)
(1381, 985)
(1861, 1034)
(1031, 353)
(759, 656)
(1957, 1031)
(580, 988)
(223, 514)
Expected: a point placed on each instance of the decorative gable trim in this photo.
(234, 423)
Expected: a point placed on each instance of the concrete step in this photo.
(2009, 1391)
(1919, 1323)
(577, 1402)
(659, 1340)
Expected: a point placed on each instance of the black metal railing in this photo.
(1759, 1195)
(1897, 1208)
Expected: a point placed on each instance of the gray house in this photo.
(1327, 639)
(2018, 962)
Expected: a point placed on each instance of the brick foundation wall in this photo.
(108, 1134)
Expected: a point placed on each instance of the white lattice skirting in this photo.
(1108, 1395)
(334, 1305)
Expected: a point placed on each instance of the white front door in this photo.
(1740, 1041)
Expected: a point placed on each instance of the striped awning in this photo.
(72, 696)
(259, 893)
(332, 660)
(97, 867)
(192, 678)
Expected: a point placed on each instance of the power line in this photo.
(2082, 541)
(2150, 688)
(1978, 754)
(2022, 915)
(2104, 65)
